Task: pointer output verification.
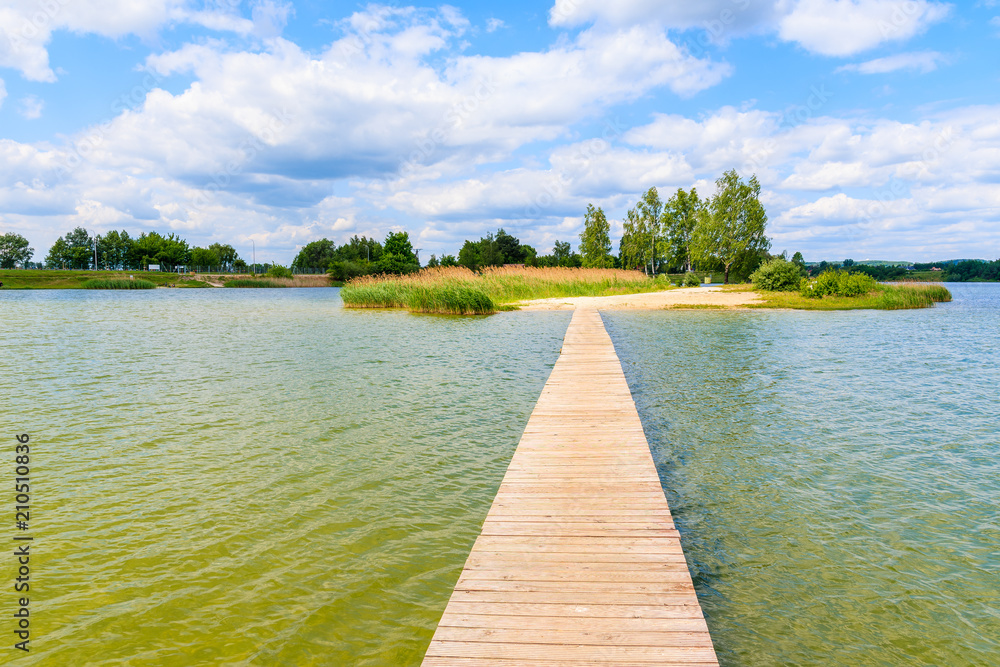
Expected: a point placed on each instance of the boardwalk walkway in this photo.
(578, 562)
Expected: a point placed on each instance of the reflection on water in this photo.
(254, 476)
(835, 476)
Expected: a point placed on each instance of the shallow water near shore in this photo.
(834, 475)
(254, 476)
(260, 477)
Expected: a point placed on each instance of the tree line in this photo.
(119, 251)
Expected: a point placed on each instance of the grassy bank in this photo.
(456, 290)
(896, 296)
(46, 279)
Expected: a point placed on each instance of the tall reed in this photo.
(457, 290)
(117, 283)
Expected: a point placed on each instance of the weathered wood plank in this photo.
(578, 561)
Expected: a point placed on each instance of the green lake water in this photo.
(225, 477)
(259, 477)
(835, 476)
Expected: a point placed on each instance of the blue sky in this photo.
(873, 125)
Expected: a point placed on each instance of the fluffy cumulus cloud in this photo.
(851, 184)
(26, 26)
(845, 27)
(394, 124)
(828, 27)
(390, 104)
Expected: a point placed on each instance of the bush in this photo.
(277, 271)
(691, 280)
(777, 275)
(344, 271)
(838, 283)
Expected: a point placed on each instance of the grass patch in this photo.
(118, 283)
(885, 297)
(192, 283)
(458, 291)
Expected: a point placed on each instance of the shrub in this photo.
(838, 283)
(777, 275)
(691, 280)
(278, 271)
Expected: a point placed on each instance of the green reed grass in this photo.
(456, 290)
(117, 283)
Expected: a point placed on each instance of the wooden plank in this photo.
(578, 561)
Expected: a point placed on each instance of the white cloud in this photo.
(924, 61)
(30, 107)
(493, 24)
(828, 27)
(26, 26)
(845, 27)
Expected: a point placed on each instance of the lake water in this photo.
(261, 477)
(254, 476)
(835, 476)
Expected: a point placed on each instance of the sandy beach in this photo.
(676, 298)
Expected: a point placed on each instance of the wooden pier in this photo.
(578, 562)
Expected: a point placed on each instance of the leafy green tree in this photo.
(227, 255)
(468, 256)
(398, 243)
(490, 253)
(595, 240)
(205, 258)
(509, 247)
(433, 262)
(14, 250)
(112, 250)
(75, 251)
(680, 217)
(316, 254)
(449, 260)
(562, 251)
(632, 245)
(650, 218)
(733, 226)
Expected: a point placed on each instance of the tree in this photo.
(316, 254)
(398, 243)
(76, 251)
(680, 217)
(449, 260)
(468, 256)
(509, 248)
(733, 226)
(227, 255)
(205, 258)
(650, 214)
(595, 242)
(14, 250)
(630, 248)
(113, 249)
(562, 252)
